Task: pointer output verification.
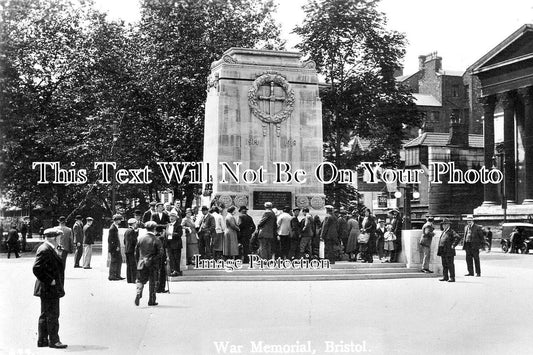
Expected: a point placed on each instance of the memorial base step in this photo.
(337, 271)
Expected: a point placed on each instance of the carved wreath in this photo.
(288, 103)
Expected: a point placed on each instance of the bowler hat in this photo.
(469, 217)
(152, 203)
(137, 212)
(132, 221)
(79, 217)
(445, 221)
(268, 204)
(328, 207)
(205, 208)
(89, 218)
(62, 219)
(243, 208)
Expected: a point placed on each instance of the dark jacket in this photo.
(161, 221)
(12, 236)
(89, 234)
(477, 237)
(130, 241)
(77, 232)
(48, 267)
(147, 216)
(295, 228)
(207, 224)
(447, 243)
(342, 228)
(246, 226)
(267, 226)
(66, 241)
(113, 240)
(148, 251)
(329, 228)
(174, 242)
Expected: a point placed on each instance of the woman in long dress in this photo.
(353, 233)
(192, 237)
(231, 243)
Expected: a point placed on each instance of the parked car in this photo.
(526, 230)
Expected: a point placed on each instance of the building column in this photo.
(508, 102)
(490, 191)
(527, 98)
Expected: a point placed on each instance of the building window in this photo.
(455, 90)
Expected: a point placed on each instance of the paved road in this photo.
(487, 315)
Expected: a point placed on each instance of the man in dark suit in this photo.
(329, 234)
(447, 243)
(77, 233)
(50, 272)
(160, 217)
(130, 242)
(206, 233)
(174, 244)
(147, 216)
(114, 249)
(266, 227)
(13, 241)
(147, 253)
(246, 229)
(474, 240)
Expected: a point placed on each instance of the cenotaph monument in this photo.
(263, 110)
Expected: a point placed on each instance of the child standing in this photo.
(388, 246)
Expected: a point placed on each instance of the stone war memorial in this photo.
(263, 114)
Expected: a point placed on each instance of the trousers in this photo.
(424, 256)
(147, 274)
(87, 253)
(131, 268)
(115, 265)
(472, 258)
(448, 267)
(49, 320)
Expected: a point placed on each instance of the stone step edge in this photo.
(249, 272)
(302, 277)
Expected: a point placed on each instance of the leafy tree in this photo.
(357, 56)
(76, 87)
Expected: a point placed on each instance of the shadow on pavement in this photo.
(72, 348)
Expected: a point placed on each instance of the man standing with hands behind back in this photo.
(77, 232)
(474, 240)
(50, 272)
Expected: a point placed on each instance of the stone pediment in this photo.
(516, 48)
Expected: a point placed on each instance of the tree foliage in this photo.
(357, 56)
(77, 87)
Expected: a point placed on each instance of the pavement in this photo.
(487, 315)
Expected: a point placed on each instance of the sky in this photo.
(460, 31)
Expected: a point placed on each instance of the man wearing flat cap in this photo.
(49, 287)
(130, 242)
(267, 228)
(113, 241)
(147, 253)
(89, 236)
(77, 232)
(474, 239)
(65, 241)
(447, 243)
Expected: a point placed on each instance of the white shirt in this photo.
(219, 222)
(170, 230)
(284, 224)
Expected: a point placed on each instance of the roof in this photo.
(500, 47)
(426, 100)
(435, 139)
(403, 78)
(451, 72)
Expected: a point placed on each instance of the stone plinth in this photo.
(263, 107)
(410, 254)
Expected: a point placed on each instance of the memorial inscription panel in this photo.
(279, 199)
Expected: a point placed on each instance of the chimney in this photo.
(458, 132)
(421, 61)
(437, 65)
